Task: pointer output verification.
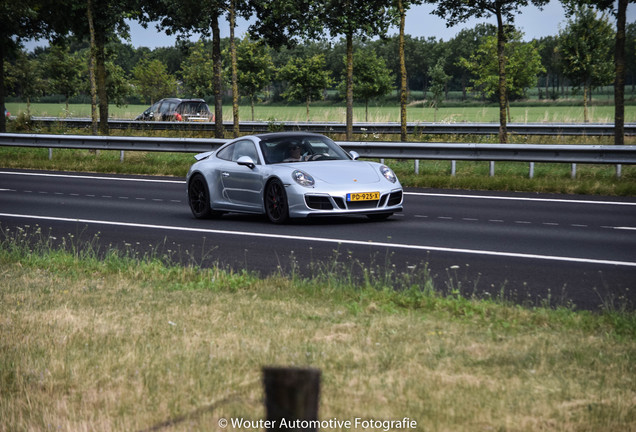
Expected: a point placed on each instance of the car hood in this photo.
(341, 172)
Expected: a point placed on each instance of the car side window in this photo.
(235, 150)
(245, 148)
(226, 153)
(167, 107)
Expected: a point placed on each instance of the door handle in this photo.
(225, 174)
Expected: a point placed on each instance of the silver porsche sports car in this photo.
(290, 175)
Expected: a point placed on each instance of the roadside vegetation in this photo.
(509, 176)
(106, 340)
(527, 112)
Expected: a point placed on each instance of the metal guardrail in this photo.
(187, 145)
(592, 154)
(563, 129)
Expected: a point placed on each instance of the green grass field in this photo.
(332, 113)
(128, 343)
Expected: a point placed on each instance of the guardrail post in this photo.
(50, 153)
(492, 168)
(619, 169)
(453, 167)
(291, 398)
(417, 166)
(121, 156)
(531, 175)
(573, 171)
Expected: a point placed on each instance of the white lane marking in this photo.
(572, 201)
(147, 180)
(332, 240)
(625, 228)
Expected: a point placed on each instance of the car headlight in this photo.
(302, 178)
(388, 173)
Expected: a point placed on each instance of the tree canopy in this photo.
(307, 79)
(457, 11)
(586, 49)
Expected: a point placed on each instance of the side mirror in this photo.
(354, 155)
(246, 161)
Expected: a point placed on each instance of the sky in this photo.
(534, 23)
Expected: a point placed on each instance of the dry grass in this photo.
(116, 345)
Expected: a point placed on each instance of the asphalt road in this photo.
(530, 248)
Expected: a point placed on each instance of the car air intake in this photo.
(318, 202)
(395, 198)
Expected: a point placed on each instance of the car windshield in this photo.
(301, 148)
(194, 108)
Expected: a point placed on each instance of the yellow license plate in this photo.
(364, 196)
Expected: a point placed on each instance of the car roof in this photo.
(182, 100)
(277, 135)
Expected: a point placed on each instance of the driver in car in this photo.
(294, 154)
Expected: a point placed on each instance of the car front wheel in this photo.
(276, 205)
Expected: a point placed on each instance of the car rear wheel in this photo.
(199, 198)
(276, 205)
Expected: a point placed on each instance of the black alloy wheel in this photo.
(199, 198)
(276, 205)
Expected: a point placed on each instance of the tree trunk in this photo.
(349, 86)
(91, 68)
(403, 89)
(3, 120)
(619, 84)
(463, 87)
(501, 56)
(235, 93)
(102, 94)
(508, 111)
(585, 90)
(307, 107)
(218, 96)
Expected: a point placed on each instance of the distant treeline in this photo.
(39, 75)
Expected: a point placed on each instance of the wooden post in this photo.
(291, 398)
